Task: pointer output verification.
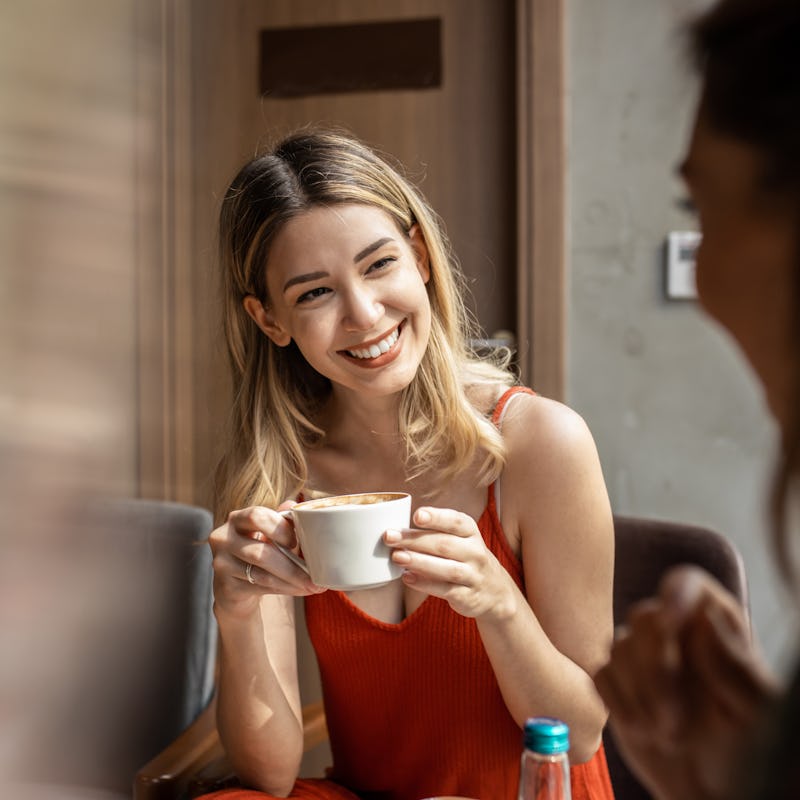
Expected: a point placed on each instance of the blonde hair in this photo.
(277, 394)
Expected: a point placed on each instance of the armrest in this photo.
(195, 763)
(167, 776)
(315, 729)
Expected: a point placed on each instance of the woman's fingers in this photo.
(273, 570)
(443, 534)
(262, 524)
(247, 539)
(447, 557)
(450, 552)
(445, 519)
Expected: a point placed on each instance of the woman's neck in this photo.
(347, 415)
(362, 449)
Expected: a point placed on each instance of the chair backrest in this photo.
(147, 659)
(644, 550)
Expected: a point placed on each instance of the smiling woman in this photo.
(348, 336)
(352, 311)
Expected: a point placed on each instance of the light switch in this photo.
(680, 279)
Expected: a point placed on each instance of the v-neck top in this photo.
(413, 708)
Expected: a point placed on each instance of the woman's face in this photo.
(349, 288)
(747, 257)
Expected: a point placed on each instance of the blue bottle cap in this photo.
(546, 735)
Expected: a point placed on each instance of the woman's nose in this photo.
(362, 310)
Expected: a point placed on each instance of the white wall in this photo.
(678, 419)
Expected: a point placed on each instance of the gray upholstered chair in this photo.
(145, 650)
(644, 550)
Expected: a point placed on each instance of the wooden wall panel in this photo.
(541, 201)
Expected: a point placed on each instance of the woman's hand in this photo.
(685, 688)
(246, 563)
(445, 556)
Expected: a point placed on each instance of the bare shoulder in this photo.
(538, 422)
(552, 461)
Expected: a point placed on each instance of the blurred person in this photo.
(348, 339)
(695, 709)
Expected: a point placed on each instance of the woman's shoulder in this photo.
(518, 406)
(541, 429)
(552, 464)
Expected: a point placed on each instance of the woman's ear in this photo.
(420, 249)
(266, 321)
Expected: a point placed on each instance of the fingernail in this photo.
(391, 536)
(401, 557)
(422, 516)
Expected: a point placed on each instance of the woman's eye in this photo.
(312, 294)
(381, 264)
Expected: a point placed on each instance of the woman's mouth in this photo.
(376, 349)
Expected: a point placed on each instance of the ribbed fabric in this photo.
(414, 709)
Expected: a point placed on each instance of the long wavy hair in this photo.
(276, 393)
(747, 51)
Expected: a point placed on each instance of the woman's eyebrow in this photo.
(315, 276)
(309, 276)
(371, 248)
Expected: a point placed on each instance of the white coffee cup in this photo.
(341, 538)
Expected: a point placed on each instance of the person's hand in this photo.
(445, 556)
(246, 563)
(685, 688)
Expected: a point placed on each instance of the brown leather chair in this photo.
(644, 550)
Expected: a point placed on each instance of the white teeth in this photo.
(373, 351)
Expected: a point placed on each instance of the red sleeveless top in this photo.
(413, 709)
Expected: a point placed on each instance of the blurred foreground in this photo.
(71, 144)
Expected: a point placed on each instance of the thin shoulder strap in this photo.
(502, 403)
(497, 420)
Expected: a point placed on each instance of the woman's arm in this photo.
(544, 646)
(259, 709)
(554, 496)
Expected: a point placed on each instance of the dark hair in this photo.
(749, 54)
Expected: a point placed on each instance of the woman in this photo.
(693, 706)
(348, 339)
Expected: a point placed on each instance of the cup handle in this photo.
(286, 551)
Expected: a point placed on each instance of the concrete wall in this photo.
(678, 418)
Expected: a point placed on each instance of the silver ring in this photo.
(248, 573)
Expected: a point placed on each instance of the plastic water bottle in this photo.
(544, 772)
